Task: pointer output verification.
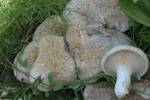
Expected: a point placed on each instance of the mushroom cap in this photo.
(89, 49)
(82, 13)
(142, 88)
(101, 91)
(114, 17)
(98, 91)
(21, 76)
(125, 56)
(53, 58)
(24, 61)
(53, 25)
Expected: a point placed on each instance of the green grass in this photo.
(140, 35)
(18, 20)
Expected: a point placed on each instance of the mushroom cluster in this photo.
(92, 42)
(93, 22)
(95, 26)
(46, 54)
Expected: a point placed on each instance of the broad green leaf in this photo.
(135, 1)
(76, 84)
(50, 77)
(20, 61)
(23, 63)
(77, 98)
(57, 86)
(138, 10)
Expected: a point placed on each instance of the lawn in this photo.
(18, 20)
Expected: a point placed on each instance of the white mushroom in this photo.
(52, 25)
(96, 13)
(89, 48)
(98, 91)
(101, 91)
(124, 61)
(47, 53)
(25, 60)
(53, 58)
(142, 88)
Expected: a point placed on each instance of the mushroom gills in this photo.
(123, 62)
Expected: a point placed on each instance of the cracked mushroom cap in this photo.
(127, 56)
(53, 58)
(24, 61)
(82, 13)
(89, 49)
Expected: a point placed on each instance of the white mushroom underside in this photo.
(125, 55)
(124, 61)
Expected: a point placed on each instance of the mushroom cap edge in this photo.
(128, 48)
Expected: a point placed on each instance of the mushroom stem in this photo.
(123, 81)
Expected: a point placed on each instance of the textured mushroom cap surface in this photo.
(24, 61)
(81, 13)
(88, 49)
(52, 25)
(142, 88)
(53, 58)
(22, 76)
(125, 56)
(100, 91)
